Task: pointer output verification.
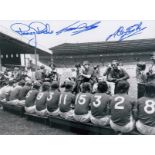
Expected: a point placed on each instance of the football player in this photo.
(53, 100)
(122, 109)
(67, 101)
(14, 94)
(40, 101)
(146, 111)
(23, 92)
(99, 105)
(31, 97)
(82, 104)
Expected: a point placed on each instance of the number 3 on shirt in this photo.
(119, 101)
(149, 107)
(50, 97)
(97, 101)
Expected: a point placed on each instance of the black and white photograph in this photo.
(77, 77)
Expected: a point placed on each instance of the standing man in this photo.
(116, 74)
(87, 73)
(151, 72)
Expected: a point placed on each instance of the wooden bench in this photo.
(36, 118)
(86, 128)
(15, 109)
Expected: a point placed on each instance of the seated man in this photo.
(14, 94)
(23, 93)
(122, 109)
(53, 100)
(31, 97)
(99, 105)
(82, 104)
(66, 101)
(146, 111)
(5, 91)
(41, 100)
(117, 74)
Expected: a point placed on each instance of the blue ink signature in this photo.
(123, 33)
(33, 28)
(78, 27)
(37, 28)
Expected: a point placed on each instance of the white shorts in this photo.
(54, 113)
(21, 102)
(13, 102)
(67, 115)
(30, 110)
(100, 121)
(145, 129)
(124, 129)
(82, 118)
(41, 113)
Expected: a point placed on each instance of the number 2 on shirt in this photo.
(119, 101)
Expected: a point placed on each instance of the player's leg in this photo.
(54, 113)
(67, 115)
(83, 118)
(30, 110)
(101, 121)
(144, 129)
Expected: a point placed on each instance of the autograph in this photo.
(78, 27)
(33, 28)
(123, 33)
(38, 28)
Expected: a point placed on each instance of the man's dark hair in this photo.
(36, 85)
(21, 83)
(102, 87)
(86, 87)
(46, 86)
(123, 86)
(11, 82)
(150, 89)
(54, 85)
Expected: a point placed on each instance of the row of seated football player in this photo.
(121, 111)
(15, 92)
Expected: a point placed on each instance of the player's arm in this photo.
(73, 101)
(134, 109)
(125, 77)
(110, 78)
(86, 75)
(109, 106)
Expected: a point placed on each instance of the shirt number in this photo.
(39, 96)
(149, 107)
(82, 99)
(97, 101)
(50, 97)
(119, 101)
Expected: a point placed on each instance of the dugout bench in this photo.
(84, 128)
(15, 109)
(41, 119)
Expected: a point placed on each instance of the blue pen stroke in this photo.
(78, 27)
(32, 29)
(122, 33)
